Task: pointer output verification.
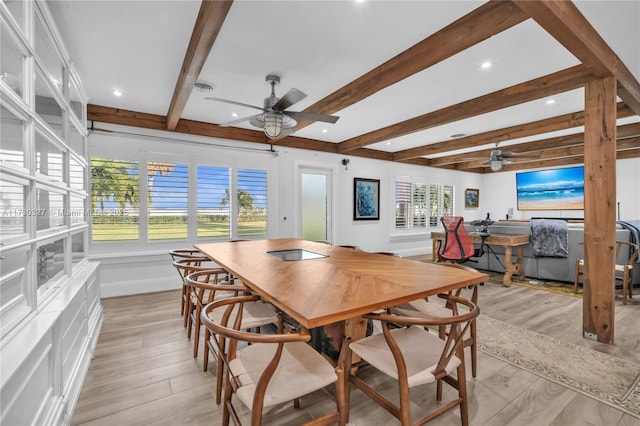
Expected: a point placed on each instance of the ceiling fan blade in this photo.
(287, 131)
(239, 120)
(235, 103)
(312, 116)
(289, 98)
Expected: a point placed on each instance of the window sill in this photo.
(410, 236)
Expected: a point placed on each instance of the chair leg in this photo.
(189, 320)
(577, 277)
(220, 369)
(196, 336)
(341, 398)
(205, 362)
(182, 301)
(474, 349)
(187, 310)
(462, 393)
(625, 280)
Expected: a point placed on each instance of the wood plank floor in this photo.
(144, 373)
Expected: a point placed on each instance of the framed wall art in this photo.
(471, 198)
(366, 199)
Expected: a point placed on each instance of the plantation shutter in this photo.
(115, 199)
(403, 204)
(435, 194)
(419, 205)
(213, 206)
(167, 185)
(252, 203)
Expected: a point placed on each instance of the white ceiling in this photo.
(318, 47)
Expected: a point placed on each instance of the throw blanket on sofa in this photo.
(634, 228)
(549, 237)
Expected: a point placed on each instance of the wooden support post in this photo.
(599, 210)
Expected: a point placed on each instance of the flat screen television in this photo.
(555, 189)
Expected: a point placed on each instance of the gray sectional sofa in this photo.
(545, 268)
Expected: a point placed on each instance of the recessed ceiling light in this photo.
(235, 114)
(117, 93)
(486, 65)
(457, 135)
(388, 143)
(324, 130)
(551, 102)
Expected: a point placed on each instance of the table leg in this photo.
(435, 248)
(509, 267)
(355, 329)
(520, 262)
(512, 268)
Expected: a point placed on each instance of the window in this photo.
(115, 198)
(13, 137)
(167, 186)
(213, 209)
(441, 202)
(11, 61)
(252, 203)
(228, 203)
(411, 204)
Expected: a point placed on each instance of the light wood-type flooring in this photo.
(144, 373)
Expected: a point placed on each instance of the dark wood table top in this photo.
(345, 284)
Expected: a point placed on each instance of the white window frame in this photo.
(410, 225)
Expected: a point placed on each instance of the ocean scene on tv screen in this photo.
(557, 189)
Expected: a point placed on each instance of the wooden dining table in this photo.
(331, 283)
(345, 284)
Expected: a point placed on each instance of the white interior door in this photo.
(315, 204)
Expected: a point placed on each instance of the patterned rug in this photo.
(545, 285)
(607, 379)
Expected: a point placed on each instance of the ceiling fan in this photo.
(274, 118)
(498, 158)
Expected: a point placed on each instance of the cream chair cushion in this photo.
(301, 371)
(421, 351)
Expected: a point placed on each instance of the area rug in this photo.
(610, 380)
(545, 285)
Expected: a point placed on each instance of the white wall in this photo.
(125, 268)
(120, 273)
(369, 235)
(499, 194)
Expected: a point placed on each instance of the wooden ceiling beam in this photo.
(561, 81)
(547, 125)
(555, 153)
(102, 114)
(205, 31)
(626, 131)
(489, 19)
(564, 22)
(556, 162)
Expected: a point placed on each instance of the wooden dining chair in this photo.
(273, 368)
(623, 271)
(408, 352)
(428, 308)
(188, 266)
(206, 288)
(196, 257)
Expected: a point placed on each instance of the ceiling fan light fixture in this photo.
(272, 124)
(496, 165)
